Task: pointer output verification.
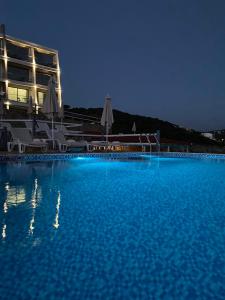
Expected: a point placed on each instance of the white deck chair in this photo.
(22, 138)
(43, 126)
(64, 144)
(29, 125)
(7, 125)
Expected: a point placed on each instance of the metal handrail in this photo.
(70, 112)
(149, 141)
(102, 136)
(82, 119)
(157, 141)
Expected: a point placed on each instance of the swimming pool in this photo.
(92, 228)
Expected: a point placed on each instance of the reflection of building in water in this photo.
(34, 200)
(15, 195)
(30, 195)
(34, 194)
(56, 224)
(4, 231)
(5, 207)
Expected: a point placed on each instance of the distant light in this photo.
(36, 109)
(7, 105)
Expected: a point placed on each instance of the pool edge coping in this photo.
(112, 155)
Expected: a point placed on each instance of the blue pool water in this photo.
(97, 229)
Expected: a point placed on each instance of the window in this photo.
(17, 52)
(18, 73)
(1, 68)
(17, 94)
(42, 78)
(45, 59)
(22, 95)
(12, 93)
(41, 98)
(1, 46)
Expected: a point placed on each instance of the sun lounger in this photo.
(22, 138)
(43, 126)
(29, 125)
(64, 144)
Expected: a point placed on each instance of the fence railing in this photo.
(81, 117)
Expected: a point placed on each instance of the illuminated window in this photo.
(17, 94)
(22, 95)
(12, 93)
(41, 98)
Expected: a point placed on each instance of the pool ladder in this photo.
(148, 140)
(147, 136)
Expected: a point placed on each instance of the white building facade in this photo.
(25, 69)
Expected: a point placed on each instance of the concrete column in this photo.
(5, 61)
(34, 88)
(56, 58)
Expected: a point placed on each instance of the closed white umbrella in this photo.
(51, 107)
(134, 128)
(107, 116)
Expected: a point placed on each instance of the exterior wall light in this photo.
(7, 105)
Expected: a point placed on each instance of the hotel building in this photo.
(25, 69)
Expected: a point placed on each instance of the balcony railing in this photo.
(20, 100)
(17, 52)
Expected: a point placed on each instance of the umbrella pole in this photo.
(53, 142)
(107, 138)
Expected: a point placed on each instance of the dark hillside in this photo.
(124, 121)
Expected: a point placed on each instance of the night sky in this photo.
(160, 58)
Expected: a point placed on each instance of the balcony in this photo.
(42, 78)
(17, 52)
(18, 73)
(44, 59)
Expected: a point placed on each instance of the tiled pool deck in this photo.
(110, 155)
